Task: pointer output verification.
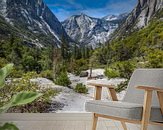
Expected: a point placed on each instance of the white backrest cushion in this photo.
(143, 77)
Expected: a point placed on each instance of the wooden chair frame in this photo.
(146, 107)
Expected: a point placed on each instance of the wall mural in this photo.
(56, 47)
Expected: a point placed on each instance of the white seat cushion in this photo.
(125, 110)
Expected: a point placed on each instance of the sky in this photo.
(94, 8)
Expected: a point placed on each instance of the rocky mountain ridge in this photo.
(140, 16)
(35, 21)
(115, 17)
(88, 30)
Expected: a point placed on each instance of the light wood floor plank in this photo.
(67, 121)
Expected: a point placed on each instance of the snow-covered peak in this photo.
(115, 17)
(111, 17)
(83, 15)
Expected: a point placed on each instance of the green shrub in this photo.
(122, 86)
(123, 69)
(77, 66)
(18, 85)
(62, 79)
(30, 64)
(82, 64)
(77, 72)
(30, 75)
(16, 99)
(8, 126)
(16, 73)
(80, 88)
(111, 73)
(3, 62)
(48, 94)
(155, 59)
(39, 106)
(47, 74)
(15, 86)
(126, 68)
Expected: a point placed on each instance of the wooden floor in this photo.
(58, 121)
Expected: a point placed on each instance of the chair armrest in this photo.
(149, 88)
(98, 84)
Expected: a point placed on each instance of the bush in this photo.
(126, 68)
(77, 72)
(80, 88)
(3, 62)
(30, 64)
(155, 59)
(39, 106)
(62, 79)
(16, 73)
(122, 86)
(14, 86)
(47, 74)
(77, 66)
(123, 69)
(111, 73)
(17, 85)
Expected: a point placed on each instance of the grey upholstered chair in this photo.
(143, 106)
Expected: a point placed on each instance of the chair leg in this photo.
(94, 123)
(124, 125)
(146, 110)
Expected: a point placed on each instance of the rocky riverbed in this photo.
(68, 100)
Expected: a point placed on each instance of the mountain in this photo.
(112, 18)
(138, 42)
(88, 30)
(140, 17)
(33, 21)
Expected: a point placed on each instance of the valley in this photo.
(41, 46)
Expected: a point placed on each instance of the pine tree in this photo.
(65, 49)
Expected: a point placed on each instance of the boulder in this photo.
(84, 74)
